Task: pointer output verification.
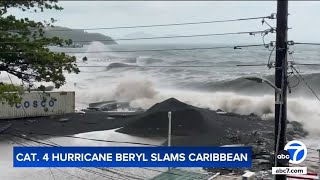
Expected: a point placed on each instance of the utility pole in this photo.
(169, 132)
(169, 128)
(319, 165)
(281, 81)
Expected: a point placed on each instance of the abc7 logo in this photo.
(294, 152)
(283, 157)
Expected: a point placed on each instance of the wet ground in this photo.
(191, 126)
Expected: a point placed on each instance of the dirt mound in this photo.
(186, 120)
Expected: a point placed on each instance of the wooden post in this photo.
(281, 80)
(169, 132)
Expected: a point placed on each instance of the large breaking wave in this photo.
(141, 92)
(222, 87)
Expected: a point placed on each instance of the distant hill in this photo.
(78, 35)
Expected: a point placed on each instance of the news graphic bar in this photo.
(229, 157)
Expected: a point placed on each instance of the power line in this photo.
(30, 139)
(314, 93)
(52, 174)
(70, 174)
(136, 66)
(46, 140)
(306, 64)
(144, 50)
(313, 157)
(312, 149)
(87, 170)
(292, 73)
(314, 44)
(83, 169)
(93, 140)
(155, 66)
(168, 172)
(311, 161)
(269, 59)
(272, 16)
(123, 174)
(251, 64)
(148, 38)
(289, 85)
(160, 66)
(14, 141)
(24, 145)
(101, 174)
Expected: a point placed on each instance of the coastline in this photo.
(221, 129)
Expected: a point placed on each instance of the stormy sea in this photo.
(204, 78)
(209, 78)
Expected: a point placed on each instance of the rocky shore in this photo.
(191, 126)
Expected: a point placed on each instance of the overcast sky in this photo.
(303, 18)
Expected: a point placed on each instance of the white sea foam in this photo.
(145, 88)
(140, 93)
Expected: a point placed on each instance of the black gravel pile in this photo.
(187, 120)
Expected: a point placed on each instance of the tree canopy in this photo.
(24, 50)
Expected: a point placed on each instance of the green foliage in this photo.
(24, 50)
(10, 93)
